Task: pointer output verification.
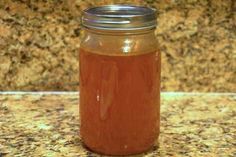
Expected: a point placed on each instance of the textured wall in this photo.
(39, 42)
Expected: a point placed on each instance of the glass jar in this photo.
(119, 80)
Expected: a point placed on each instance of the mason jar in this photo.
(119, 79)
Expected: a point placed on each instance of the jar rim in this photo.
(119, 17)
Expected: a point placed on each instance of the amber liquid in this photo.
(119, 102)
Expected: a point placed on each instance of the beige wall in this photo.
(39, 42)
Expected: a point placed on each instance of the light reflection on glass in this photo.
(127, 47)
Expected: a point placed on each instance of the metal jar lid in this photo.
(119, 17)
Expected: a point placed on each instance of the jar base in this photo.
(119, 153)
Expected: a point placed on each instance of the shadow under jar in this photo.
(119, 80)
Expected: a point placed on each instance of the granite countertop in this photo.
(47, 125)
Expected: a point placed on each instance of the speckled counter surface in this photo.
(39, 41)
(47, 125)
